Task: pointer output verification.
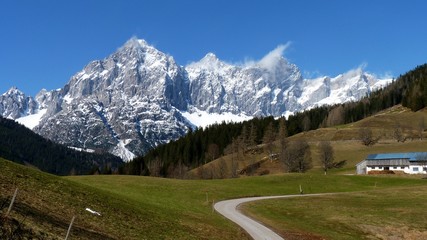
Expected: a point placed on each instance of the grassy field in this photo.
(135, 207)
(396, 213)
(186, 204)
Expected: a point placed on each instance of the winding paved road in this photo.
(257, 231)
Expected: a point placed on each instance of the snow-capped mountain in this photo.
(126, 103)
(139, 97)
(350, 86)
(268, 87)
(15, 104)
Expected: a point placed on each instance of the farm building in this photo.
(410, 163)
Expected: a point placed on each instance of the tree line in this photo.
(21, 145)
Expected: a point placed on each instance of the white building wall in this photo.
(417, 169)
(412, 169)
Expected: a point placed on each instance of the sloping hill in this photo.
(21, 145)
(130, 207)
(344, 139)
(45, 205)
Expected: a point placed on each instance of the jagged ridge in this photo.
(139, 97)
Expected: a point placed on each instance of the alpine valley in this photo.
(139, 97)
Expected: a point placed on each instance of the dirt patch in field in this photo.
(393, 232)
(300, 236)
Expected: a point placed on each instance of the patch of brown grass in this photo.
(392, 232)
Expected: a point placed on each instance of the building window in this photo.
(425, 169)
(402, 167)
(415, 169)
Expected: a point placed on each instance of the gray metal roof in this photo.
(388, 162)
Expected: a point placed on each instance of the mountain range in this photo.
(139, 97)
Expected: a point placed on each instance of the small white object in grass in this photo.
(93, 212)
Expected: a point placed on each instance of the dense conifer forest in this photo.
(202, 145)
(21, 145)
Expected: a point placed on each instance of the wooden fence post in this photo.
(11, 202)
(69, 228)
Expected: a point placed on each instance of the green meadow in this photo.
(134, 207)
(391, 213)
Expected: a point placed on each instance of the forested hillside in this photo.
(409, 89)
(203, 145)
(21, 145)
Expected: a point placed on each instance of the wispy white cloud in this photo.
(386, 75)
(312, 74)
(356, 71)
(270, 60)
(362, 68)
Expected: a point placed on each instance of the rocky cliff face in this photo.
(126, 103)
(14, 104)
(139, 97)
(254, 90)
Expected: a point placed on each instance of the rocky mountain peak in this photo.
(210, 63)
(14, 91)
(135, 48)
(135, 43)
(15, 104)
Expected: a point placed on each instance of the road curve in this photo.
(257, 231)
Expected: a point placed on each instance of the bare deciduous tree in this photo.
(234, 168)
(297, 157)
(306, 123)
(284, 153)
(283, 133)
(206, 171)
(398, 133)
(303, 156)
(212, 152)
(326, 154)
(242, 139)
(268, 140)
(421, 127)
(252, 136)
(366, 137)
(155, 167)
(178, 170)
(233, 150)
(335, 116)
(222, 168)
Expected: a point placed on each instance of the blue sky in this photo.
(43, 43)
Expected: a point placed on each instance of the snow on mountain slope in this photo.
(350, 86)
(124, 103)
(139, 97)
(32, 120)
(267, 87)
(203, 119)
